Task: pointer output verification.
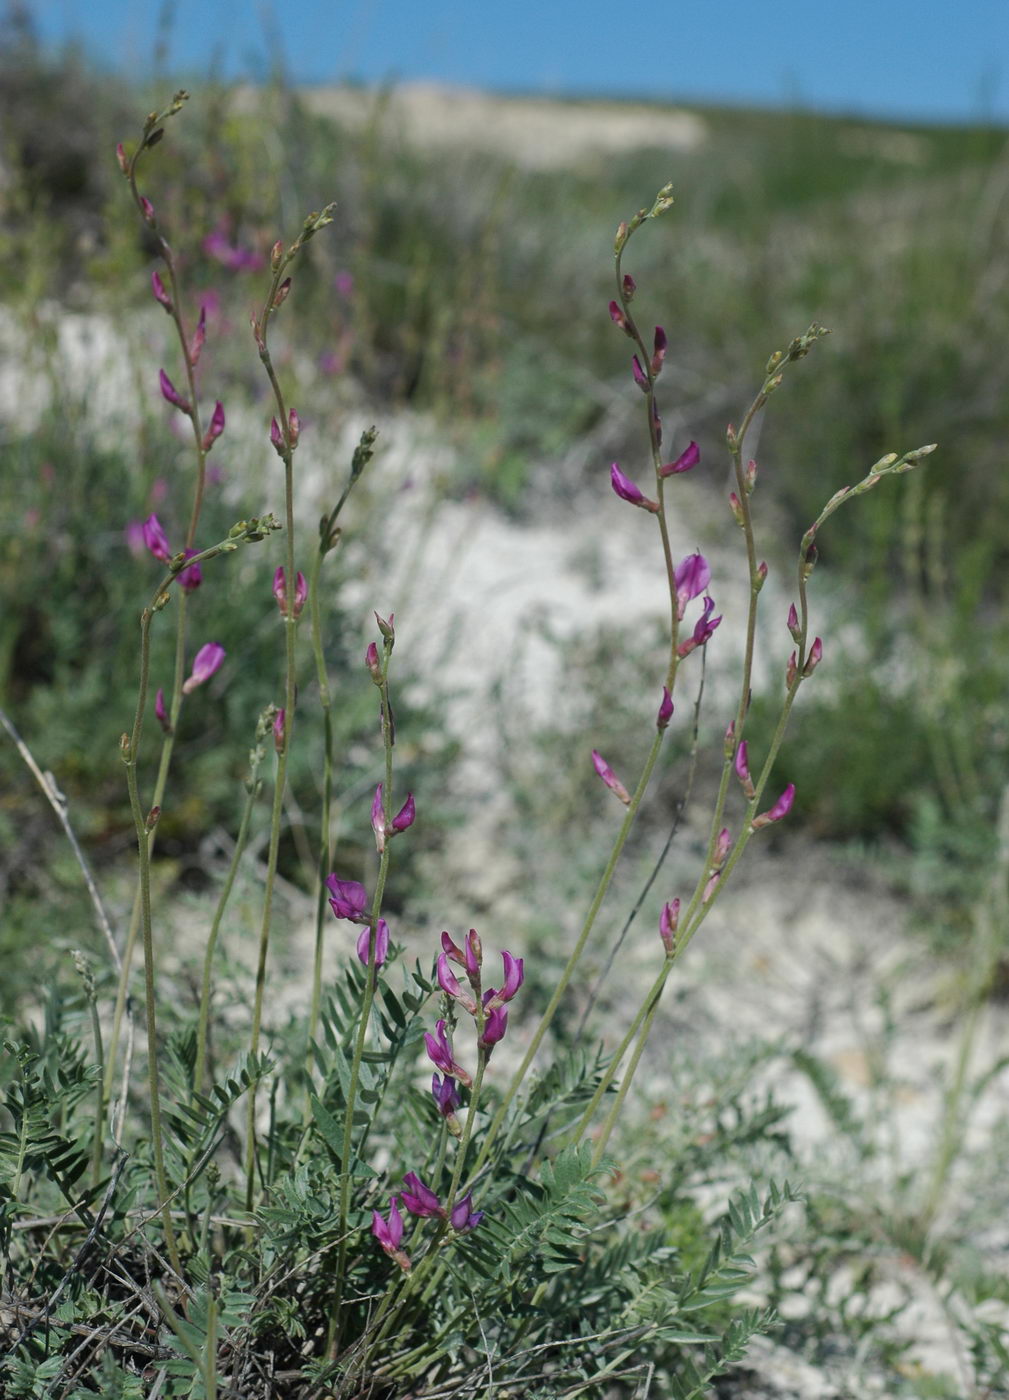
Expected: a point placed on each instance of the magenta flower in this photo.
(206, 662)
(692, 577)
(276, 437)
(640, 377)
(348, 899)
(618, 318)
(192, 577)
(136, 541)
(721, 848)
(665, 709)
(216, 427)
(703, 628)
(464, 1217)
(373, 664)
(668, 921)
(439, 1052)
(390, 1233)
(687, 459)
(610, 778)
(780, 809)
(172, 394)
(513, 978)
(381, 943)
(161, 713)
(160, 295)
(156, 540)
(420, 1199)
(406, 815)
(628, 491)
(494, 1028)
(452, 987)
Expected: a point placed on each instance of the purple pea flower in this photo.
(464, 1217)
(685, 461)
(494, 1027)
(206, 662)
(172, 394)
(390, 1233)
(780, 809)
(640, 377)
(610, 778)
(156, 540)
(406, 815)
(627, 491)
(452, 987)
(348, 899)
(513, 978)
(216, 427)
(381, 943)
(276, 437)
(420, 1199)
(692, 577)
(703, 629)
(446, 1095)
(191, 578)
(665, 709)
(439, 1052)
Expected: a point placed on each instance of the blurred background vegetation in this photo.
(472, 291)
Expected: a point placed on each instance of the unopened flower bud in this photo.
(736, 506)
(279, 730)
(160, 295)
(750, 476)
(790, 671)
(281, 294)
(147, 208)
(620, 238)
(152, 818)
(276, 437)
(124, 746)
(629, 284)
(161, 713)
(729, 742)
(730, 435)
(121, 157)
(665, 709)
(206, 662)
(406, 815)
(780, 809)
(216, 427)
(721, 848)
(618, 318)
(668, 922)
(610, 778)
(809, 561)
(171, 394)
(293, 428)
(658, 351)
(640, 377)
(793, 623)
(386, 628)
(742, 767)
(760, 577)
(190, 578)
(373, 664)
(814, 658)
(276, 253)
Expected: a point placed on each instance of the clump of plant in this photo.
(369, 1200)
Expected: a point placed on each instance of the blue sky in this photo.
(901, 59)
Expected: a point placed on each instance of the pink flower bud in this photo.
(721, 848)
(750, 476)
(793, 623)
(216, 427)
(627, 491)
(658, 351)
(387, 626)
(406, 815)
(630, 286)
(378, 820)
(121, 157)
(372, 662)
(279, 730)
(685, 461)
(280, 591)
(790, 671)
(610, 778)
(206, 662)
(276, 253)
(736, 506)
(640, 377)
(293, 428)
(668, 922)
(780, 809)
(742, 767)
(711, 886)
(160, 295)
(147, 208)
(280, 296)
(618, 318)
(814, 658)
(172, 394)
(156, 540)
(760, 578)
(199, 338)
(381, 943)
(665, 709)
(276, 437)
(161, 713)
